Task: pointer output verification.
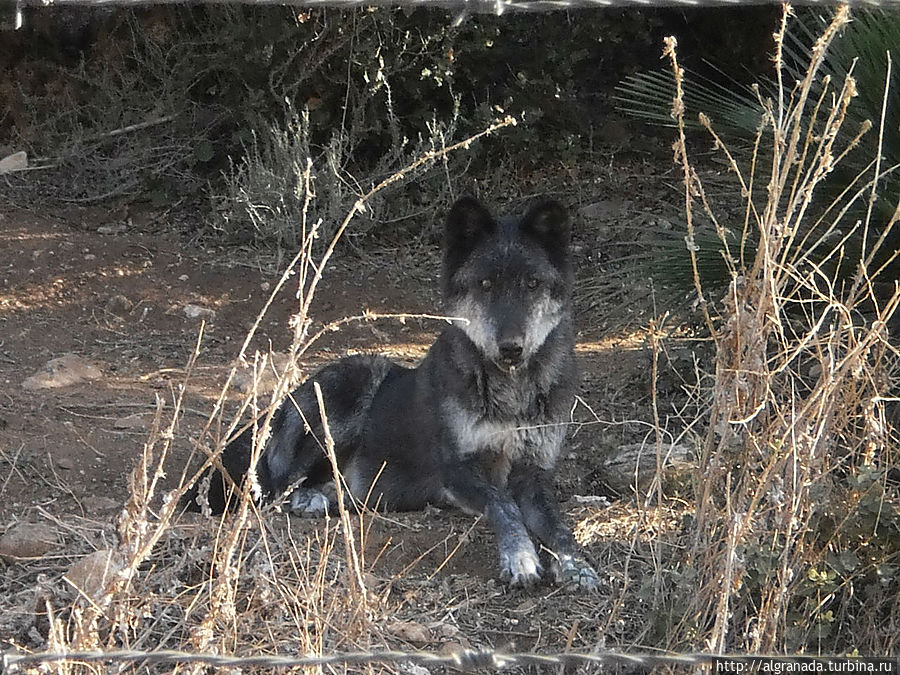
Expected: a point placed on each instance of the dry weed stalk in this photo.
(799, 376)
(107, 610)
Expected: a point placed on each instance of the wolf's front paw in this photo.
(520, 567)
(308, 502)
(569, 569)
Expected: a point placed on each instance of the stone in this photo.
(98, 504)
(18, 161)
(410, 631)
(198, 312)
(27, 541)
(135, 421)
(63, 371)
(94, 573)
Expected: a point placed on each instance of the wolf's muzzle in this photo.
(511, 353)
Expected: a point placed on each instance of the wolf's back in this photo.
(296, 442)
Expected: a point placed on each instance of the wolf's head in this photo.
(510, 279)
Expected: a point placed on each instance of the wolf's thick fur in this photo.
(479, 424)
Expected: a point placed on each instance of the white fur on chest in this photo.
(535, 441)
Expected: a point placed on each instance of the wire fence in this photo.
(467, 660)
(11, 11)
(477, 6)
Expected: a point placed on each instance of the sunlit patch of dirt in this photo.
(622, 522)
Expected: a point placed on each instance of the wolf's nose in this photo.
(511, 352)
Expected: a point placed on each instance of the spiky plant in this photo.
(866, 49)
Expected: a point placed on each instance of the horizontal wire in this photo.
(474, 6)
(12, 662)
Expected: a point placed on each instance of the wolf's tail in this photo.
(294, 449)
(215, 490)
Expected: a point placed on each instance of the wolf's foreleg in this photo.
(530, 487)
(519, 561)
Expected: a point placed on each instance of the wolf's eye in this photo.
(533, 283)
(486, 284)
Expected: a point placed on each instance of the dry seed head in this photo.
(671, 43)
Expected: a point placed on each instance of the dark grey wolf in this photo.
(479, 424)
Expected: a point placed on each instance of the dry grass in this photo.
(803, 367)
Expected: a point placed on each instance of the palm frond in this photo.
(862, 51)
(648, 97)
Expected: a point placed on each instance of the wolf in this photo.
(478, 425)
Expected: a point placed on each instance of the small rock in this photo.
(98, 504)
(135, 421)
(605, 209)
(265, 285)
(18, 161)
(119, 304)
(183, 277)
(93, 574)
(198, 312)
(635, 464)
(118, 228)
(63, 371)
(65, 463)
(27, 541)
(410, 631)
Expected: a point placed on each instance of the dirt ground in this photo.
(113, 287)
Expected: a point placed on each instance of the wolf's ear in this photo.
(468, 224)
(547, 222)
